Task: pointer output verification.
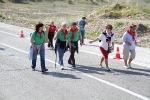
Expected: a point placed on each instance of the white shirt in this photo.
(128, 37)
(103, 42)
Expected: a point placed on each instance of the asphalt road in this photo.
(85, 82)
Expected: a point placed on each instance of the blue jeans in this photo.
(42, 59)
(60, 55)
(82, 34)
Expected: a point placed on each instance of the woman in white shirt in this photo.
(129, 43)
(106, 40)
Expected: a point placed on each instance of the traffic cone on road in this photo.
(117, 54)
(21, 34)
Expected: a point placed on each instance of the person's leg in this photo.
(52, 36)
(125, 56)
(72, 56)
(34, 58)
(106, 62)
(42, 59)
(102, 59)
(60, 55)
(69, 60)
(49, 37)
(82, 34)
(105, 56)
(132, 56)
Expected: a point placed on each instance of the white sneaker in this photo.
(129, 66)
(126, 67)
(62, 67)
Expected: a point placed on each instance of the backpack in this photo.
(106, 36)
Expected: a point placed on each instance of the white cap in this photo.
(63, 23)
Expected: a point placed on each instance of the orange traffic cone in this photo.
(117, 54)
(21, 35)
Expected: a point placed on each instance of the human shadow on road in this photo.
(2, 49)
(130, 71)
(60, 75)
(90, 69)
(139, 69)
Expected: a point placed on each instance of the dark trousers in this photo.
(50, 37)
(71, 58)
(82, 34)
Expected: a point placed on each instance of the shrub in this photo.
(118, 24)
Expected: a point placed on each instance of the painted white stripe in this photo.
(90, 76)
(97, 54)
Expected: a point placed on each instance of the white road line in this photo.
(90, 76)
(97, 54)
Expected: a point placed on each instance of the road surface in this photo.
(85, 82)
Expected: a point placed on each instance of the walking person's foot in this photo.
(69, 62)
(73, 65)
(62, 67)
(126, 66)
(44, 70)
(33, 69)
(129, 66)
(100, 65)
(108, 69)
(48, 45)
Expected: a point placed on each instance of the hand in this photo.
(43, 47)
(129, 43)
(108, 41)
(55, 38)
(80, 43)
(34, 48)
(136, 43)
(90, 42)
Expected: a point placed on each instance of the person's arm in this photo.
(56, 36)
(47, 29)
(124, 38)
(43, 44)
(97, 39)
(31, 40)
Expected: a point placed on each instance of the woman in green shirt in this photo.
(61, 37)
(73, 36)
(37, 41)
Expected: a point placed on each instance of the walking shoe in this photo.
(74, 65)
(100, 66)
(48, 45)
(62, 67)
(126, 67)
(69, 62)
(129, 66)
(33, 69)
(108, 69)
(44, 70)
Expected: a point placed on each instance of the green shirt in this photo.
(36, 38)
(77, 34)
(60, 35)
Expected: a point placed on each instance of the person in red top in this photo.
(51, 32)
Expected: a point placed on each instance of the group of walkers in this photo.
(70, 39)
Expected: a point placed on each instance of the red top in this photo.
(52, 28)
